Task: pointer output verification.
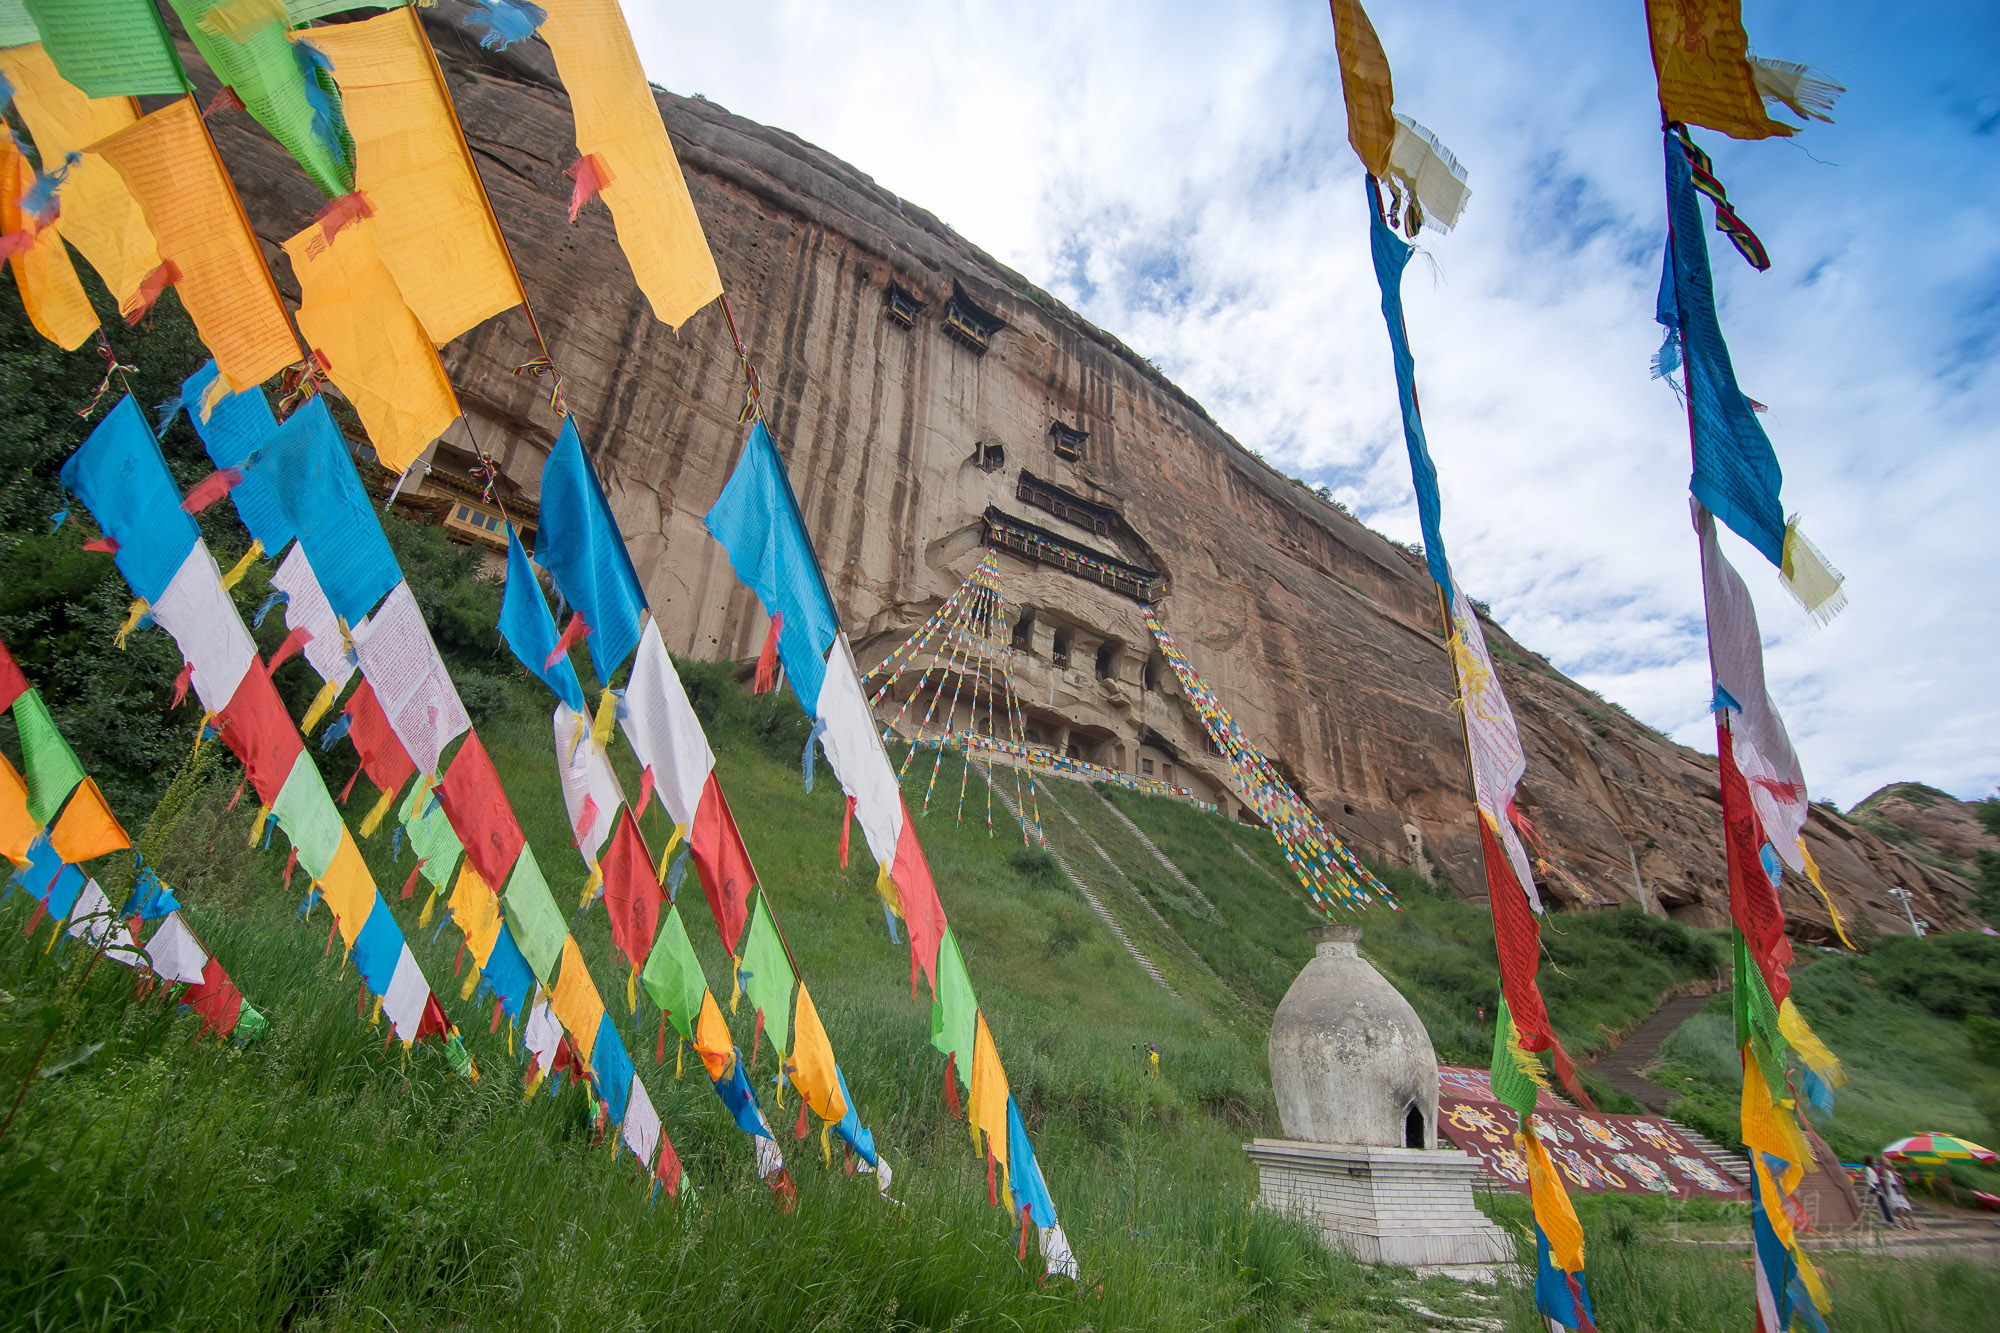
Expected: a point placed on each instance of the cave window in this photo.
(1348, 808)
(902, 305)
(988, 457)
(1068, 440)
(1146, 767)
(968, 323)
(1033, 734)
(1060, 655)
(1073, 752)
(1413, 1128)
(1107, 662)
(1167, 774)
(1024, 632)
(1152, 673)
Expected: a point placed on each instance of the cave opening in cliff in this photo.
(1109, 658)
(1068, 440)
(1059, 652)
(1150, 677)
(968, 323)
(1023, 637)
(902, 305)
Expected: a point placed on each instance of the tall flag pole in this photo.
(1425, 184)
(1708, 78)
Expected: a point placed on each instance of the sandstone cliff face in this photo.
(1321, 636)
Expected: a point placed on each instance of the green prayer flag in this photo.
(51, 766)
(16, 28)
(955, 1013)
(251, 1025)
(308, 815)
(304, 11)
(673, 975)
(1511, 1083)
(282, 86)
(533, 917)
(1756, 1013)
(109, 48)
(430, 834)
(767, 975)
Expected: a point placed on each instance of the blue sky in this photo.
(1179, 173)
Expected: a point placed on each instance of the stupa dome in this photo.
(1351, 1063)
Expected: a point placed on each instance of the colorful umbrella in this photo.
(1937, 1149)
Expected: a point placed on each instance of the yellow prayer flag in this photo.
(348, 888)
(1770, 1128)
(618, 122)
(575, 1000)
(99, 215)
(1554, 1213)
(813, 1070)
(476, 909)
(712, 1041)
(171, 168)
(371, 343)
(1823, 1062)
(1366, 84)
(432, 225)
(988, 1108)
(1702, 58)
(87, 829)
(18, 828)
(50, 291)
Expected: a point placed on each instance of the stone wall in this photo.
(1322, 637)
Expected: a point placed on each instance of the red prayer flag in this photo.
(216, 999)
(632, 894)
(181, 683)
(922, 912)
(722, 863)
(1517, 937)
(12, 683)
(260, 732)
(383, 757)
(571, 636)
(476, 805)
(669, 1168)
(210, 489)
(846, 827)
(1753, 900)
(767, 660)
(297, 639)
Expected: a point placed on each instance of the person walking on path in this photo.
(1871, 1176)
(1901, 1210)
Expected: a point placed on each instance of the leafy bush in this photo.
(1951, 975)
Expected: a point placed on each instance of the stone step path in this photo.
(1145, 902)
(1620, 1067)
(1166, 863)
(1146, 964)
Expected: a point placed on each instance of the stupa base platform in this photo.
(1411, 1207)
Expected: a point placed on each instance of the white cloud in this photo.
(1180, 174)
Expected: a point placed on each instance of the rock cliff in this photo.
(1320, 635)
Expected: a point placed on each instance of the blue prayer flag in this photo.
(613, 1067)
(508, 973)
(741, 1100)
(1552, 1289)
(235, 428)
(756, 518)
(149, 899)
(529, 629)
(1736, 474)
(1777, 1270)
(307, 465)
(122, 479)
(582, 549)
(1391, 255)
(41, 869)
(1024, 1173)
(850, 1128)
(378, 947)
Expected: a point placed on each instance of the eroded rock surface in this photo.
(1322, 637)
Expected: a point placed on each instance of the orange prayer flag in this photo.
(99, 215)
(171, 168)
(1554, 1213)
(476, 910)
(1701, 56)
(348, 888)
(576, 1001)
(711, 1039)
(18, 828)
(988, 1109)
(371, 343)
(814, 1072)
(87, 829)
(618, 122)
(50, 291)
(1366, 84)
(432, 224)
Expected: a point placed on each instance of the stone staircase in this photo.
(1146, 964)
(1620, 1068)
